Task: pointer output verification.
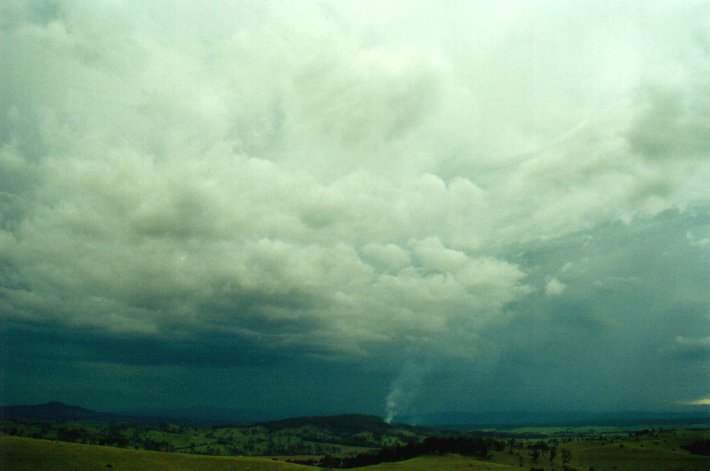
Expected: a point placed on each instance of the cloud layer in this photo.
(344, 180)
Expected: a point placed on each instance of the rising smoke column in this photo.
(405, 388)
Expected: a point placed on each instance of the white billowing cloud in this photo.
(323, 176)
(694, 241)
(554, 287)
(390, 255)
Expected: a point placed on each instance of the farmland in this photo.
(541, 448)
(312, 436)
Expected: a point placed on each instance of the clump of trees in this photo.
(467, 446)
(700, 447)
(114, 436)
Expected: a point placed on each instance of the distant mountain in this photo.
(349, 424)
(339, 425)
(345, 430)
(58, 411)
(53, 411)
(210, 415)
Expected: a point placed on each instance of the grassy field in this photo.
(656, 453)
(27, 454)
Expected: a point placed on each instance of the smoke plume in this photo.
(405, 388)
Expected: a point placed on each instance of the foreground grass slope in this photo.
(443, 463)
(646, 455)
(20, 454)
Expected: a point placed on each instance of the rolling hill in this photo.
(53, 411)
(28, 454)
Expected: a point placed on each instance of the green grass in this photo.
(655, 453)
(611, 457)
(20, 454)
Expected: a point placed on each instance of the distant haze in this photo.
(392, 207)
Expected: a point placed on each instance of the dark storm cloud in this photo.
(54, 343)
(696, 349)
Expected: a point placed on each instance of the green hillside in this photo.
(27, 454)
(658, 452)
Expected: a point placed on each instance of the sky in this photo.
(395, 208)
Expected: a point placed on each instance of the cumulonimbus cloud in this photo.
(308, 180)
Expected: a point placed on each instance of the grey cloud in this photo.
(672, 124)
(554, 287)
(366, 100)
(697, 349)
(309, 176)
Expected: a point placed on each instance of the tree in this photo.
(566, 456)
(534, 455)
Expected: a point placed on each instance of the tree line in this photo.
(478, 447)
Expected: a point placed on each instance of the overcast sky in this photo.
(387, 207)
